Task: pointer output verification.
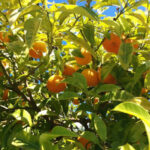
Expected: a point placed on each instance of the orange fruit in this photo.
(20, 87)
(23, 103)
(54, 84)
(76, 101)
(40, 46)
(96, 100)
(109, 79)
(144, 91)
(35, 54)
(70, 69)
(86, 59)
(37, 49)
(4, 37)
(1, 74)
(133, 42)
(91, 77)
(84, 142)
(112, 44)
(5, 94)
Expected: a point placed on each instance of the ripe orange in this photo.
(76, 101)
(96, 100)
(133, 42)
(20, 87)
(40, 46)
(70, 69)
(35, 54)
(86, 59)
(5, 94)
(37, 50)
(54, 84)
(109, 79)
(4, 37)
(84, 142)
(112, 44)
(144, 91)
(91, 77)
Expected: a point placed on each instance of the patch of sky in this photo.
(64, 43)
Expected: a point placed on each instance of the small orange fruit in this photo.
(112, 44)
(54, 84)
(4, 37)
(84, 142)
(37, 49)
(70, 69)
(23, 103)
(40, 46)
(5, 94)
(86, 59)
(144, 90)
(20, 87)
(96, 100)
(91, 77)
(76, 101)
(35, 54)
(109, 79)
(133, 42)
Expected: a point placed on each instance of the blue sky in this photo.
(111, 11)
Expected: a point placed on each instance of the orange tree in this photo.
(72, 78)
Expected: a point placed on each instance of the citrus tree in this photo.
(72, 78)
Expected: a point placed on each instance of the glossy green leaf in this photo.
(88, 30)
(100, 128)
(23, 115)
(31, 32)
(77, 53)
(105, 88)
(80, 42)
(125, 54)
(127, 147)
(77, 80)
(138, 111)
(84, 11)
(68, 95)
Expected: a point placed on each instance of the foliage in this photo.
(69, 72)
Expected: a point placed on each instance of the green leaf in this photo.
(106, 3)
(16, 47)
(106, 69)
(45, 143)
(80, 42)
(78, 80)
(62, 131)
(90, 136)
(138, 111)
(125, 54)
(77, 53)
(62, 17)
(23, 115)
(31, 32)
(88, 30)
(68, 95)
(84, 11)
(100, 128)
(127, 147)
(105, 88)
(147, 81)
(16, 14)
